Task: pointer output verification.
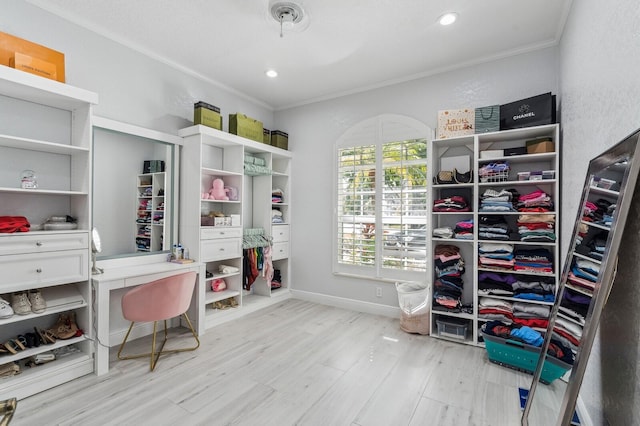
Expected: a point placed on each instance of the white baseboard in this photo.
(354, 305)
(583, 415)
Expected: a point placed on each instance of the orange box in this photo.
(21, 54)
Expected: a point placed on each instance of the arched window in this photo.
(381, 199)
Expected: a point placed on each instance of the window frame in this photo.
(385, 128)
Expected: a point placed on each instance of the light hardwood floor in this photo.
(294, 363)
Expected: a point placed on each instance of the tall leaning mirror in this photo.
(134, 180)
(587, 279)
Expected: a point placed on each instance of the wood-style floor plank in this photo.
(294, 363)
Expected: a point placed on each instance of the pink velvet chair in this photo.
(159, 300)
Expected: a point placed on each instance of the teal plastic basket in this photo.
(522, 357)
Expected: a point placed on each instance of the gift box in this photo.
(207, 115)
(247, 127)
(540, 146)
(533, 111)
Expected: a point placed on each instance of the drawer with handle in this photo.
(39, 243)
(219, 249)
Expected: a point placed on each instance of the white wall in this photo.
(314, 128)
(132, 88)
(600, 104)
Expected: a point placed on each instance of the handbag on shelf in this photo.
(463, 177)
(444, 177)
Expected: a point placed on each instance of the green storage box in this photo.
(266, 133)
(522, 357)
(280, 139)
(247, 127)
(207, 115)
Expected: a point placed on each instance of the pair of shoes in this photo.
(6, 311)
(24, 303)
(220, 305)
(10, 369)
(15, 345)
(65, 327)
(45, 337)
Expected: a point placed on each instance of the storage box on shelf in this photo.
(496, 170)
(53, 138)
(251, 169)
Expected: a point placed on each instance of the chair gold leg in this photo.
(154, 355)
(124, 342)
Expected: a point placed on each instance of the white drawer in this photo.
(39, 243)
(220, 249)
(280, 251)
(280, 233)
(221, 232)
(18, 272)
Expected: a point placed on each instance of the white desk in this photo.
(122, 277)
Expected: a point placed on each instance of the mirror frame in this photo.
(154, 135)
(628, 149)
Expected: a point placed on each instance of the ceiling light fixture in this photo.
(287, 13)
(448, 18)
(272, 73)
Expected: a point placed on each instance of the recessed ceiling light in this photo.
(271, 73)
(448, 18)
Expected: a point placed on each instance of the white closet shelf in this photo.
(452, 185)
(518, 242)
(524, 158)
(590, 259)
(218, 172)
(218, 138)
(511, 271)
(596, 225)
(481, 213)
(214, 296)
(605, 192)
(519, 183)
(43, 191)
(44, 91)
(41, 146)
(41, 349)
(516, 299)
(453, 314)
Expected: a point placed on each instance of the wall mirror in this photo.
(135, 174)
(587, 278)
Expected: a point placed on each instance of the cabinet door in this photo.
(280, 251)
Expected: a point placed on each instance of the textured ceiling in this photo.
(347, 45)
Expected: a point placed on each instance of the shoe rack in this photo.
(48, 132)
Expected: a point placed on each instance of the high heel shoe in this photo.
(66, 327)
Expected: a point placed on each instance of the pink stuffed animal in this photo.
(218, 191)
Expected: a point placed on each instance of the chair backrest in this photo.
(159, 300)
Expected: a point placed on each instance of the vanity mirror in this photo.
(587, 279)
(134, 176)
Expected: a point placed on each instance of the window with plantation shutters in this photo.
(381, 199)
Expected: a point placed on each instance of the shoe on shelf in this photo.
(45, 336)
(20, 303)
(5, 309)
(65, 327)
(38, 304)
(10, 369)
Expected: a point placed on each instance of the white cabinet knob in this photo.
(39, 243)
(39, 270)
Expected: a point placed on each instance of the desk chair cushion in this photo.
(159, 300)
